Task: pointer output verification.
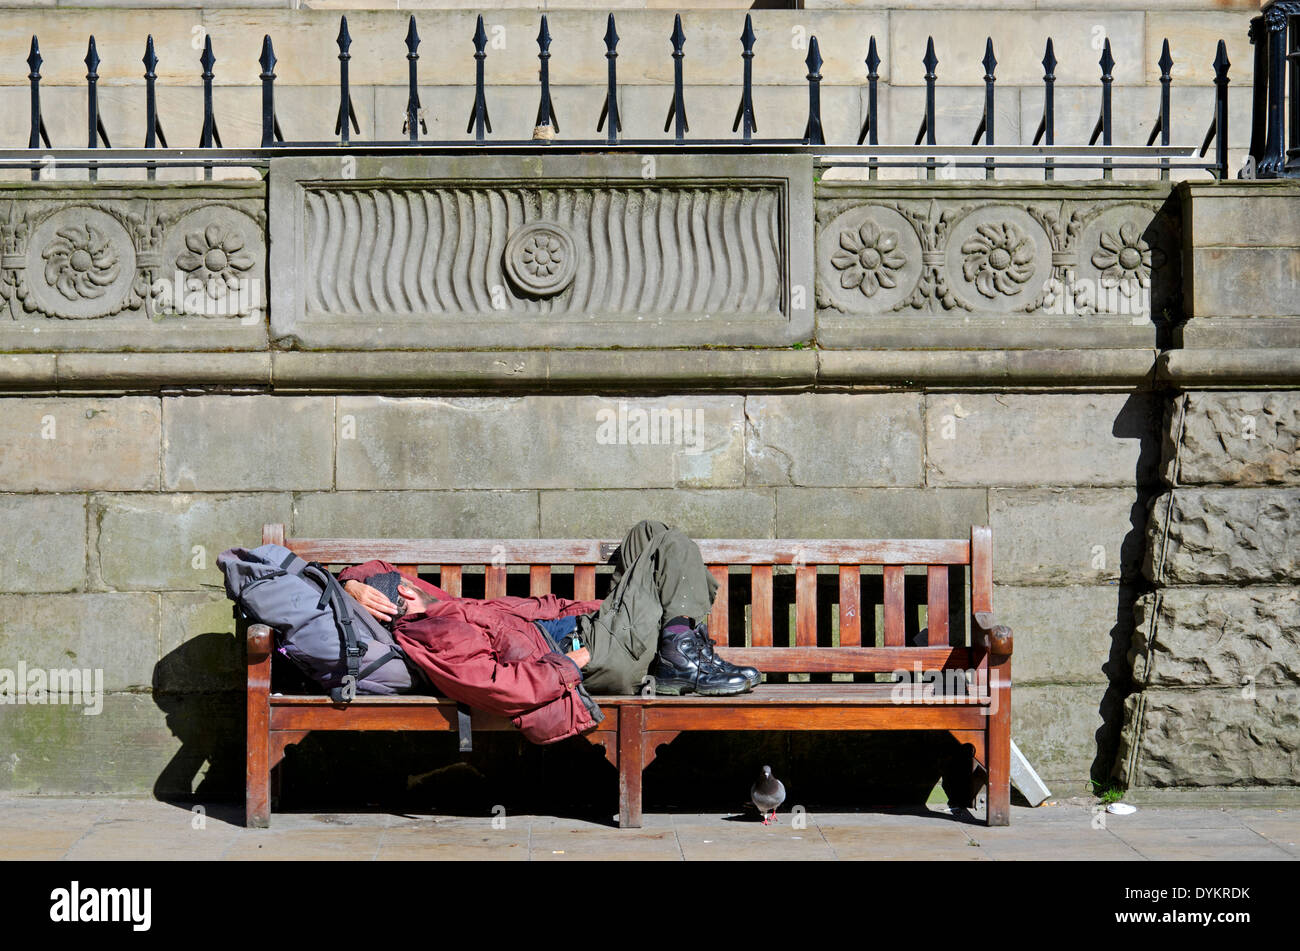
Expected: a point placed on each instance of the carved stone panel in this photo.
(961, 266)
(555, 251)
(133, 267)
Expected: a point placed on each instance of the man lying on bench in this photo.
(538, 660)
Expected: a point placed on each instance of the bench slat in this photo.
(760, 610)
(584, 583)
(936, 604)
(552, 551)
(494, 581)
(843, 660)
(850, 606)
(449, 579)
(895, 632)
(539, 580)
(805, 606)
(718, 618)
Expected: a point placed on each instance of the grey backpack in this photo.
(319, 626)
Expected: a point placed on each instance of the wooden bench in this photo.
(635, 726)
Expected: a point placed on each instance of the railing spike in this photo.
(478, 116)
(547, 124)
(677, 109)
(414, 111)
(270, 124)
(812, 133)
(610, 109)
(745, 109)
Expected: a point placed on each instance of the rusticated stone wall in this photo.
(1216, 655)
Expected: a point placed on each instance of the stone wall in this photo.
(131, 459)
(113, 526)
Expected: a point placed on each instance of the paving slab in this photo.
(89, 829)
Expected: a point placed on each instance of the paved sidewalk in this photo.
(90, 829)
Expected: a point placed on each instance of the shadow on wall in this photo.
(194, 687)
(1141, 418)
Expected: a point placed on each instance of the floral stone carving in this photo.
(541, 258)
(999, 259)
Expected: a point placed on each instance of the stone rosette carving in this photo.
(79, 263)
(868, 258)
(872, 257)
(211, 264)
(999, 259)
(541, 258)
(1129, 263)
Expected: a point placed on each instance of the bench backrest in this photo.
(943, 562)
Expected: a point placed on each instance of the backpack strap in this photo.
(332, 594)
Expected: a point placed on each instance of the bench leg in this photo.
(631, 760)
(999, 747)
(257, 793)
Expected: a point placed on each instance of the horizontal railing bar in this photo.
(28, 156)
(1047, 163)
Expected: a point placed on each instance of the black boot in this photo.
(751, 674)
(687, 665)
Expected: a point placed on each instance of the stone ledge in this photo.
(456, 371)
(1194, 369)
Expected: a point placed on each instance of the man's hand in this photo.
(581, 657)
(372, 599)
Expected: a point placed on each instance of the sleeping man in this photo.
(539, 660)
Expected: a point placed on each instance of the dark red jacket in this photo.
(489, 655)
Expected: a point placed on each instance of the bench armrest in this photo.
(994, 638)
(259, 643)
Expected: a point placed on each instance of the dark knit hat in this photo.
(386, 584)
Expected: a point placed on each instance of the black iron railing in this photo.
(1045, 153)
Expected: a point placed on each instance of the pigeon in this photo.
(767, 794)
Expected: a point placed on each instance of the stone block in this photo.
(1211, 737)
(539, 442)
(171, 746)
(1042, 439)
(1057, 728)
(1193, 43)
(879, 512)
(232, 443)
(199, 651)
(877, 439)
(1254, 214)
(1066, 536)
(1069, 634)
(151, 266)
(380, 514)
(709, 256)
(67, 444)
(113, 634)
(1243, 282)
(700, 513)
(1243, 438)
(42, 542)
(171, 542)
(1019, 42)
(1218, 637)
(1224, 536)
